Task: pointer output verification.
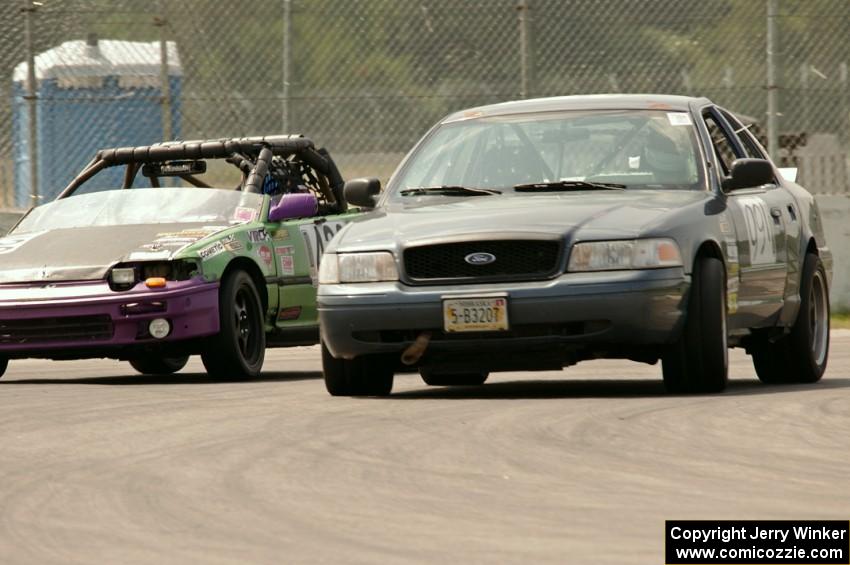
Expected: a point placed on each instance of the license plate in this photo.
(475, 314)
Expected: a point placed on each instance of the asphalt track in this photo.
(98, 465)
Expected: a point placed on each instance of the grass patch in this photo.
(840, 321)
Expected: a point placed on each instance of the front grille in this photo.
(523, 259)
(59, 329)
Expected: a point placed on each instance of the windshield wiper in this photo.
(452, 190)
(559, 185)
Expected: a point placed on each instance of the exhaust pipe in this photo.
(416, 349)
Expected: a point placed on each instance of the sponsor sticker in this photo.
(188, 235)
(679, 119)
(280, 234)
(725, 226)
(244, 214)
(285, 250)
(149, 255)
(291, 313)
(265, 254)
(231, 243)
(732, 251)
(159, 245)
(211, 251)
(287, 265)
(258, 236)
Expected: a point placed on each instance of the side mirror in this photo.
(362, 192)
(294, 205)
(749, 173)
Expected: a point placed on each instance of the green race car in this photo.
(152, 272)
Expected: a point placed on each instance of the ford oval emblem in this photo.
(480, 258)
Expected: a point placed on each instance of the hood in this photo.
(584, 215)
(77, 254)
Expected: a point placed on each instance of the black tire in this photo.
(159, 365)
(4, 364)
(432, 378)
(239, 348)
(801, 356)
(369, 375)
(699, 361)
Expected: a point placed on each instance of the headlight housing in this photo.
(624, 254)
(357, 267)
(125, 276)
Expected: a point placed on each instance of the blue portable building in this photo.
(90, 95)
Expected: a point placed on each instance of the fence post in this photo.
(845, 103)
(522, 9)
(32, 99)
(287, 55)
(804, 95)
(165, 84)
(772, 80)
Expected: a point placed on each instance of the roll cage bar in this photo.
(251, 155)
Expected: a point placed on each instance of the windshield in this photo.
(633, 148)
(148, 206)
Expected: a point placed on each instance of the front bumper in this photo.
(43, 320)
(574, 311)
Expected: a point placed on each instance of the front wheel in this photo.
(699, 360)
(368, 375)
(239, 348)
(159, 365)
(799, 357)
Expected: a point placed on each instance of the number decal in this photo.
(759, 230)
(316, 238)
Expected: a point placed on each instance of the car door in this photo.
(298, 248)
(760, 226)
(788, 206)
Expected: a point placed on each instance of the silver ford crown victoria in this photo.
(533, 235)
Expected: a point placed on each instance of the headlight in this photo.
(357, 267)
(123, 276)
(627, 254)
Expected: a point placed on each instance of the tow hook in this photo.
(416, 349)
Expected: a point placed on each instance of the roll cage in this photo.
(290, 159)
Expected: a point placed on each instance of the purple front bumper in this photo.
(90, 315)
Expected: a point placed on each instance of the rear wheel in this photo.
(4, 364)
(476, 378)
(238, 350)
(799, 357)
(699, 360)
(368, 375)
(159, 365)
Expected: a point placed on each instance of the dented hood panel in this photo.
(80, 254)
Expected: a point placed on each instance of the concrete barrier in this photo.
(836, 223)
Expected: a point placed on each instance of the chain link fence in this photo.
(366, 78)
